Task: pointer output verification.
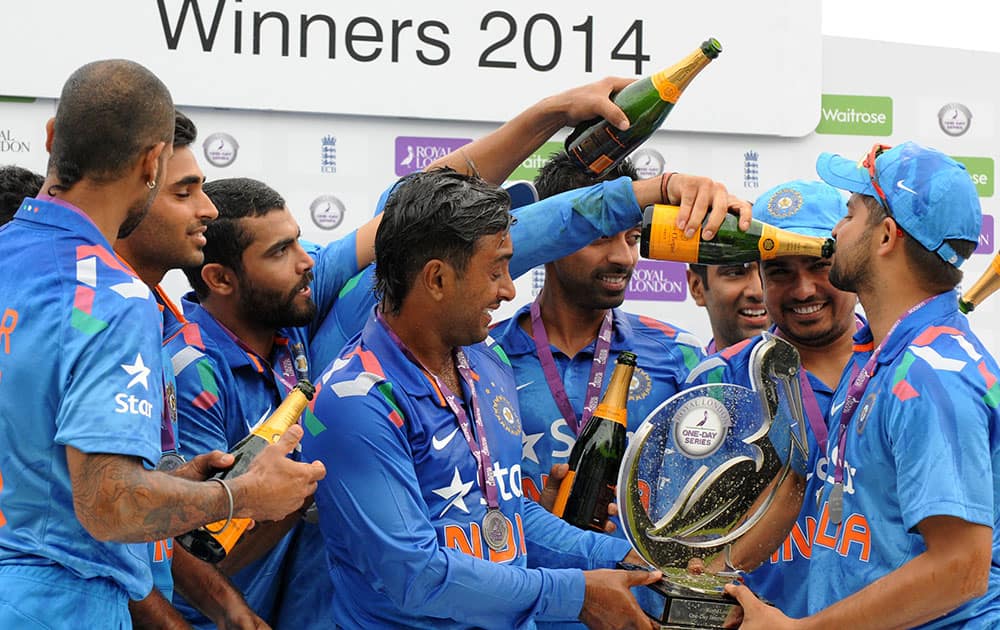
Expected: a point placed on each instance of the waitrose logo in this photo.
(981, 171)
(530, 166)
(844, 114)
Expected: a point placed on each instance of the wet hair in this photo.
(184, 131)
(236, 198)
(440, 214)
(16, 183)
(933, 272)
(110, 112)
(702, 271)
(561, 173)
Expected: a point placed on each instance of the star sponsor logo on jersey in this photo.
(865, 411)
(528, 443)
(506, 415)
(138, 371)
(641, 384)
(454, 493)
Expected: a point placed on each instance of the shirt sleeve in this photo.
(940, 442)
(562, 224)
(113, 399)
(200, 405)
(336, 263)
(554, 543)
(345, 319)
(370, 502)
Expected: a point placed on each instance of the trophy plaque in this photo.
(711, 484)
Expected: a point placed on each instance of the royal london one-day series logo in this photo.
(852, 115)
(415, 153)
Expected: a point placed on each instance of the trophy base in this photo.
(677, 607)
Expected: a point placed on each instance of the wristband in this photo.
(229, 519)
(664, 183)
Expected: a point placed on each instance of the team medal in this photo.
(836, 503)
(495, 529)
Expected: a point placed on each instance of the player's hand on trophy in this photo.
(608, 602)
(548, 497)
(756, 614)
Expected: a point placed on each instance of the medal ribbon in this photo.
(856, 390)
(481, 450)
(597, 369)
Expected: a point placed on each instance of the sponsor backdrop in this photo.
(437, 60)
(332, 168)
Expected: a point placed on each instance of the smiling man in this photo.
(428, 531)
(818, 319)
(732, 297)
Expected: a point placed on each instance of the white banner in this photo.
(438, 60)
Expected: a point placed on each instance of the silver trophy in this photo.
(711, 484)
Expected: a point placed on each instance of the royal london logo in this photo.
(784, 203)
(701, 426)
(640, 386)
(220, 149)
(327, 212)
(506, 415)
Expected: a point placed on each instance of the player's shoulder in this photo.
(659, 332)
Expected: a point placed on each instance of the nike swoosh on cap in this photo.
(523, 385)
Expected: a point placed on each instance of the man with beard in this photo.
(907, 533)
(424, 522)
(79, 342)
(563, 345)
(819, 320)
(257, 310)
(731, 295)
(171, 237)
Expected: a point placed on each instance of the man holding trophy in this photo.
(914, 448)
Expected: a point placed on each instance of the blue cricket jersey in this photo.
(924, 441)
(401, 508)
(79, 366)
(782, 579)
(224, 389)
(161, 552)
(544, 231)
(664, 355)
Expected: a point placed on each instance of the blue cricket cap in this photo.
(930, 195)
(800, 206)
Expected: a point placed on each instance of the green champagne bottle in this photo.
(212, 542)
(663, 240)
(589, 486)
(985, 286)
(598, 146)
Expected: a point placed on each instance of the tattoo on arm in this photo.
(115, 498)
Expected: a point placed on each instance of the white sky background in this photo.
(968, 24)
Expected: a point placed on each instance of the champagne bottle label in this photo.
(614, 414)
(229, 537)
(668, 91)
(667, 241)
